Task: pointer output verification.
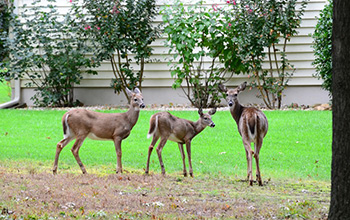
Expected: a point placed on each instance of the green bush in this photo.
(260, 25)
(118, 29)
(6, 15)
(194, 35)
(323, 46)
(51, 52)
(239, 36)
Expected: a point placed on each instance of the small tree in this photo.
(6, 16)
(50, 52)
(323, 46)
(199, 40)
(118, 29)
(264, 24)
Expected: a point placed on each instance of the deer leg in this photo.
(181, 147)
(118, 149)
(159, 152)
(75, 150)
(188, 148)
(59, 148)
(249, 161)
(150, 149)
(246, 154)
(256, 155)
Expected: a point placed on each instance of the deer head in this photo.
(136, 99)
(232, 94)
(206, 118)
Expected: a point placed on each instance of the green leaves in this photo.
(121, 28)
(323, 46)
(198, 37)
(259, 26)
(50, 51)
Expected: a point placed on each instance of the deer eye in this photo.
(205, 118)
(135, 100)
(235, 95)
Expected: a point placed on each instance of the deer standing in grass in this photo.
(81, 123)
(252, 126)
(165, 126)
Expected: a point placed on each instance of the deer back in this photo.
(97, 125)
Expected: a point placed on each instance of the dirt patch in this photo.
(134, 195)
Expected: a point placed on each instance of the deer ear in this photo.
(200, 111)
(242, 86)
(222, 88)
(212, 111)
(128, 92)
(136, 90)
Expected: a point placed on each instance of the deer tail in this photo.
(153, 126)
(252, 126)
(66, 129)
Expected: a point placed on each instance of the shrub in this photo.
(6, 15)
(260, 25)
(199, 40)
(49, 51)
(118, 29)
(323, 46)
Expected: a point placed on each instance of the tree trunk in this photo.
(340, 190)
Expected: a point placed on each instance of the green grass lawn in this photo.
(297, 145)
(5, 92)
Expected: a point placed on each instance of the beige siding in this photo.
(157, 74)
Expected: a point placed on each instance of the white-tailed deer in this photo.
(252, 126)
(81, 123)
(165, 126)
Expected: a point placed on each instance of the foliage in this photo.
(121, 28)
(6, 16)
(195, 34)
(260, 25)
(5, 89)
(240, 36)
(323, 46)
(50, 51)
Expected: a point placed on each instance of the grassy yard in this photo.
(295, 163)
(5, 92)
(297, 145)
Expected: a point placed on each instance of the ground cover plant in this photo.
(5, 91)
(295, 164)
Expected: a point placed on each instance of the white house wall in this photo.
(303, 87)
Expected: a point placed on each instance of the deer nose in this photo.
(230, 104)
(212, 125)
(142, 105)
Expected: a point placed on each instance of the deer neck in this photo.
(198, 127)
(236, 111)
(133, 114)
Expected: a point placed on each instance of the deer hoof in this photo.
(54, 172)
(191, 174)
(251, 183)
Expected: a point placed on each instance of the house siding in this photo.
(95, 89)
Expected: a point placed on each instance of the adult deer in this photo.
(81, 123)
(252, 126)
(165, 126)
